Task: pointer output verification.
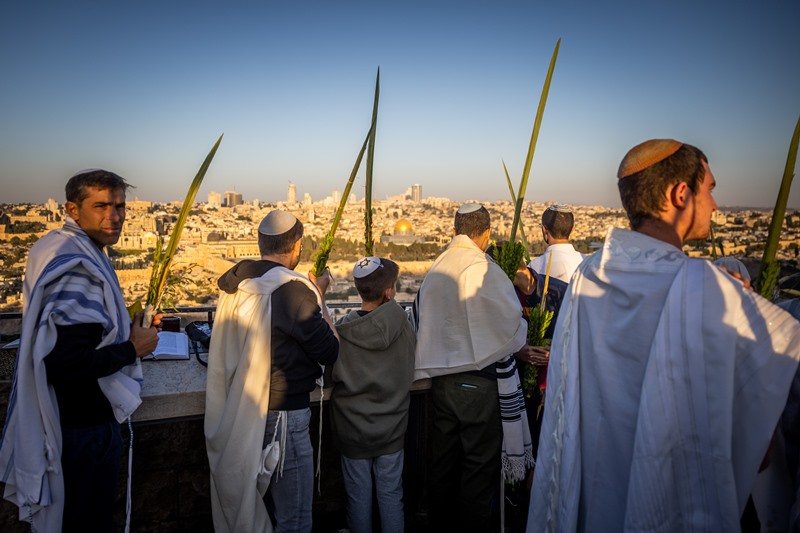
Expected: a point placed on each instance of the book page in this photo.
(171, 346)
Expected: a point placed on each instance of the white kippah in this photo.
(367, 266)
(560, 208)
(276, 223)
(468, 208)
(87, 171)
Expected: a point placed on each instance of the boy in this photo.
(369, 404)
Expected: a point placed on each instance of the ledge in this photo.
(177, 389)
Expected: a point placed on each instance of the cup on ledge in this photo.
(171, 323)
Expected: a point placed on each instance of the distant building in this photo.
(336, 197)
(352, 198)
(416, 193)
(233, 198)
(403, 234)
(214, 199)
(291, 194)
(307, 200)
(52, 206)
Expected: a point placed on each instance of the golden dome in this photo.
(402, 227)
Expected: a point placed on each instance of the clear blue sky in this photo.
(145, 87)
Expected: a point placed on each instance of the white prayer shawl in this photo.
(665, 383)
(472, 317)
(68, 280)
(564, 262)
(237, 400)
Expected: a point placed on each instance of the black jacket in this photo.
(301, 339)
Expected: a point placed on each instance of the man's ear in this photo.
(72, 210)
(680, 195)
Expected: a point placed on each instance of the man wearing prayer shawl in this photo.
(78, 373)
(469, 318)
(271, 334)
(667, 377)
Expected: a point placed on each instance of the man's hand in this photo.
(322, 282)
(738, 276)
(534, 355)
(524, 280)
(144, 339)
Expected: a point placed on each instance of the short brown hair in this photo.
(472, 224)
(558, 223)
(77, 188)
(281, 243)
(642, 193)
(371, 286)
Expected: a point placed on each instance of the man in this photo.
(271, 334)
(667, 376)
(469, 318)
(557, 222)
(78, 373)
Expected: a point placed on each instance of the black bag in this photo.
(199, 332)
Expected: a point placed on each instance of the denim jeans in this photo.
(357, 474)
(290, 494)
(90, 461)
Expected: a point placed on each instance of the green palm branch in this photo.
(770, 269)
(162, 258)
(368, 241)
(511, 255)
(325, 246)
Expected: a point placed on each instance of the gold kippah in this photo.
(646, 154)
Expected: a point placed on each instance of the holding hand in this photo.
(144, 339)
(534, 355)
(322, 282)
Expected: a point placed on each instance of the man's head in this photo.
(96, 202)
(557, 222)
(668, 181)
(375, 279)
(473, 221)
(280, 236)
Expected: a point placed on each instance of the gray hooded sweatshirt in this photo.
(371, 381)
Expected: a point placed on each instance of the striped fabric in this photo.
(517, 454)
(68, 281)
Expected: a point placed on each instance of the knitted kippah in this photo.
(366, 266)
(559, 208)
(276, 223)
(468, 208)
(646, 154)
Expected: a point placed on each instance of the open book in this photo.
(170, 346)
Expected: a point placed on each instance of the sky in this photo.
(144, 89)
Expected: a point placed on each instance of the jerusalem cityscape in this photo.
(408, 227)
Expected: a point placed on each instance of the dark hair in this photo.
(78, 185)
(558, 223)
(282, 243)
(472, 224)
(371, 287)
(642, 193)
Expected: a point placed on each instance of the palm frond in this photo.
(768, 276)
(162, 257)
(368, 241)
(537, 124)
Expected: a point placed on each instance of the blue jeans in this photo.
(290, 494)
(90, 462)
(357, 474)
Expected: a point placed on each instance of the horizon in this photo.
(144, 90)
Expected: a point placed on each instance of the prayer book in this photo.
(170, 346)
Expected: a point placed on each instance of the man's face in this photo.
(704, 206)
(101, 214)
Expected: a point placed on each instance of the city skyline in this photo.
(144, 89)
